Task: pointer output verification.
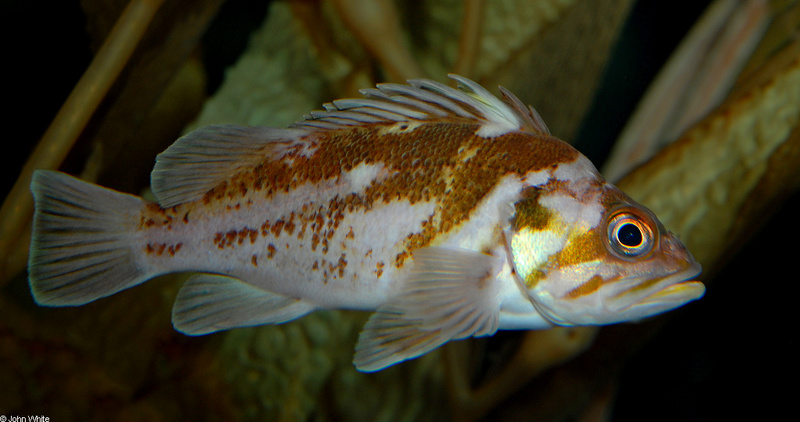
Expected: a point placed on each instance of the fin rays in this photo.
(451, 295)
(424, 99)
(208, 302)
(206, 157)
(80, 249)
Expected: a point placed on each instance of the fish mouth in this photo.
(658, 294)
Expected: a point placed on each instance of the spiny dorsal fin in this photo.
(206, 157)
(427, 100)
(531, 117)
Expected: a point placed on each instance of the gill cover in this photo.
(590, 267)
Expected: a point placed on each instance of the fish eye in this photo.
(629, 236)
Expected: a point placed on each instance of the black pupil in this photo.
(629, 235)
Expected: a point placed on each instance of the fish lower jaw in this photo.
(667, 293)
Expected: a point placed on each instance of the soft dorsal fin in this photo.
(206, 157)
(427, 100)
(202, 159)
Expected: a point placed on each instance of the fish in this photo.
(447, 212)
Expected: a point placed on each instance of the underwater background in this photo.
(584, 65)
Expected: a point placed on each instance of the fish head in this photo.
(587, 254)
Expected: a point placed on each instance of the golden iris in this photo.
(629, 236)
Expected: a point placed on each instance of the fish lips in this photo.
(641, 297)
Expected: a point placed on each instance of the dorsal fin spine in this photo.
(199, 161)
(427, 100)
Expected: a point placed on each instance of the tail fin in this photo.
(81, 247)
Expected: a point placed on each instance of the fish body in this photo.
(449, 212)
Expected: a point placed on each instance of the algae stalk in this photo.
(73, 117)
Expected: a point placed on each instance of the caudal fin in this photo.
(81, 246)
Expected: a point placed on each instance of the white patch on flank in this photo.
(578, 169)
(494, 210)
(573, 212)
(494, 129)
(487, 216)
(536, 178)
(364, 175)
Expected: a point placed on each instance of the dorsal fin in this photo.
(427, 100)
(204, 158)
(531, 117)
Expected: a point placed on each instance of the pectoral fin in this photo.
(451, 294)
(207, 303)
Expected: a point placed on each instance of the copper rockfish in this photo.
(449, 212)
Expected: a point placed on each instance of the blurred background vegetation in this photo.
(585, 65)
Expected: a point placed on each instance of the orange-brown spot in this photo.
(341, 264)
(588, 287)
(277, 227)
(270, 251)
(400, 259)
(314, 241)
(290, 225)
(254, 260)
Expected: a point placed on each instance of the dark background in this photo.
(732, 354)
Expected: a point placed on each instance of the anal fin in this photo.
(208, 302)
(452, 294)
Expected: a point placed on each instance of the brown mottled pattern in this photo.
(155, 217)
(444, 162)
(423, 164)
